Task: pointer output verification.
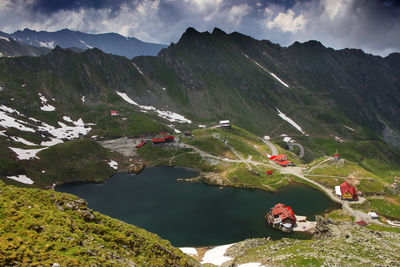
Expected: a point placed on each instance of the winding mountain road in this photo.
(301, 154)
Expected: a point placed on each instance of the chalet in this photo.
(362, 223)
(348, 192)
(225, 124)
(163, 140)
(336, 156)
(270, 172)
(281, 217)
(282, 160)
(114, 113)
(337, 191)
(141, 144)
(373, 215)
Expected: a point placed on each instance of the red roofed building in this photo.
(281, 217)
(348, 191)
(281, 157)
(282, 160)
(114, 113)
(362, 223)
(164, 139)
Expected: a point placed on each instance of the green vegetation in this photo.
(339, 215)
(384, 207)
(127, 124)
(334, 172)
(39, 228)
(82, 160)
(241, 176)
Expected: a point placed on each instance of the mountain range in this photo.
(325, 99)
(108, 42)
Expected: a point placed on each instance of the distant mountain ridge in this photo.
(11, 48)
(108, 42)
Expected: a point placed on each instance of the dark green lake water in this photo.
(194, 214)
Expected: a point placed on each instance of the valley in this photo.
(70, 117)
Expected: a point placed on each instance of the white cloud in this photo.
(288, 22)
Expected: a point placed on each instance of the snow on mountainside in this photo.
(11, 118)
(168, 115)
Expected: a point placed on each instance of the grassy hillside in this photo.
(39, 228)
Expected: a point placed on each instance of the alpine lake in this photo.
(195, 214)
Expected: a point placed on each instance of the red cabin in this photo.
(141, 144)
(270, 172)
(162, 140)
(114, 113)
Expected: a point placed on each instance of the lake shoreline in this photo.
(213, 204)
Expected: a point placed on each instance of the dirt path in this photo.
(358, 215)
(319, 164)
(274, 150)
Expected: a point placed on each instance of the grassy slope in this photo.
(78, 160)
(39, 228)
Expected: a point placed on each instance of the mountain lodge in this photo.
(282, 160)
(225, 124)
(281, 217)
(348, 192)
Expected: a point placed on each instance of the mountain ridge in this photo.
(108, 42)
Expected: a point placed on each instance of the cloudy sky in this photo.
(372, 25)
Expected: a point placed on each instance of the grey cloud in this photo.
(373, 25)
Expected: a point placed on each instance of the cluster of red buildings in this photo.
(281, 160)
(165, 138)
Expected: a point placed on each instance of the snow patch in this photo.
(52, 142)
(1, 88)
(250, 264)
(7, 121)
(351, 129)
(22, 140)
(286, 139)
(168, 115)
(271, 73)
(47, 44)
(216, 255)
(177, 131)
(189, 251)
(4, 38)
(138, 68)
(289, 120)
(21, 178)
(202, 126)
(3, 133)
(45, 107)
(267, 137)
(88, 46)
(24, 154)
(83, 99)
(338, 139)
(113, 164)
(163, 88)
